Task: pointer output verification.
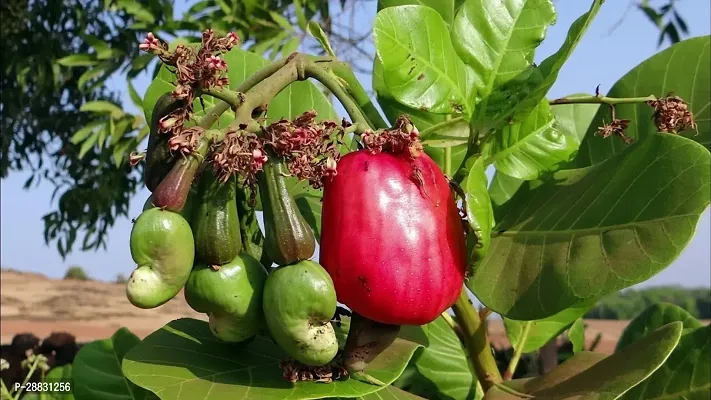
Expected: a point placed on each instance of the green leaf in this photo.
(686, 374)
(315, 30)
(420, 67)
(90, 74)
(102, 49)
(531, 147)
(102, 107)
(575, 119)
(89, 143)
(550, 67)
(444, 353)
(137, 10)
(576, 335)
(502, 188)
(685, 70)
(183, 359)
(543, 330)
(652, 14)
(653, 317)
(83, 133)
(97, 369)
(445, 8)
(497, 40)
(479, 213)
(78, 60)
(588, 232)
(135, 97)
(593, 376)
(300, 17)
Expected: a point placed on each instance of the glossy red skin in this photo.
(394, 249)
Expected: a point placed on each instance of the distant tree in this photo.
(76, 272)
(628, 303)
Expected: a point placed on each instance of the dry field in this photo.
(94, 310)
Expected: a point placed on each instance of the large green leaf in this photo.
(686, 375)
(441, 370)
(653, 317)
(543, 330)
(530, 147)
(687, 372)
(550, 67)
(592, 376)
(480, 214)
(588, 232)
(97, 369)
(684, 69)
(184, 360)
(445, 8)
(420, 67)
(497, 40)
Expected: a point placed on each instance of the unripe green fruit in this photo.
(215, 221)
(299, 301)
(287, 236)
(231, 296)
(163, 248)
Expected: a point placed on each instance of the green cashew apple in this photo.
(231, 296)
(163, 248)
(299, 301)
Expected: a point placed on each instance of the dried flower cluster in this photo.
(309, 148)
(195, 69)
(240, 152)
(672, 115)
(616, 127)
(403, 136)
(294, 371)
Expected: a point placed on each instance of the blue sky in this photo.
(21, 226)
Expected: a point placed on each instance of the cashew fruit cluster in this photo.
(392, 245)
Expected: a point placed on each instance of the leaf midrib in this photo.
(605, 228)
(495, 70)
(520, 142)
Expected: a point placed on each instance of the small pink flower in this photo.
(166, 123)
(330, 167)
(258, 159)
(215, 62)
(150, 43)
(232, 39)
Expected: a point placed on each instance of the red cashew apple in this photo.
(392, 238)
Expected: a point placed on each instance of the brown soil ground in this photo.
(88, 310)
(93, 310)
